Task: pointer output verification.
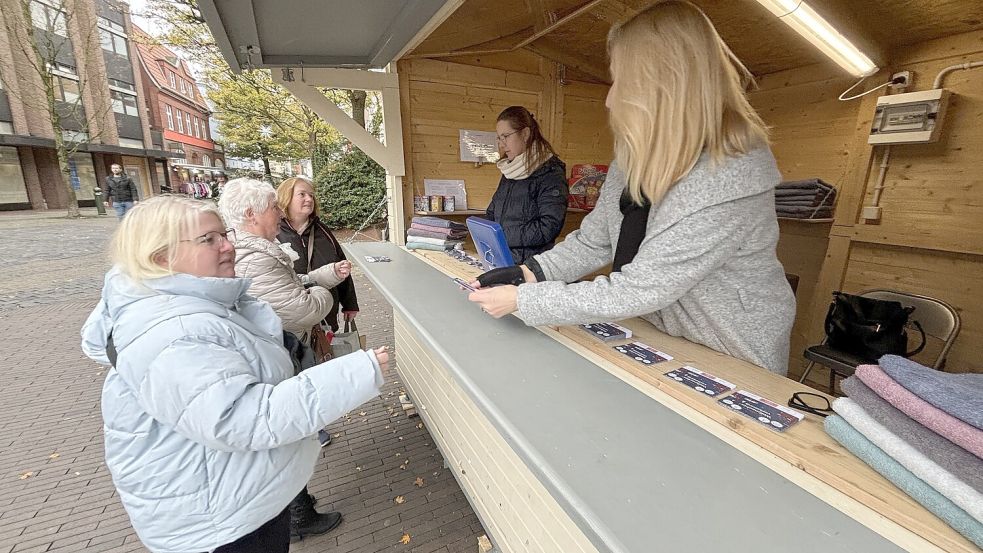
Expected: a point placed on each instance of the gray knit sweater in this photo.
(706, 269)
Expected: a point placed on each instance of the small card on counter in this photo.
(702, 382)
(607, 331)
(377, 258)
(767, 412)
(645, 354)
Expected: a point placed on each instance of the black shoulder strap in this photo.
(111, 349)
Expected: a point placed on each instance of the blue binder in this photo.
(489, 240)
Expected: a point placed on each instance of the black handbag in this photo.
(869, 328)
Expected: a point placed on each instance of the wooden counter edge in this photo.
(823, 484)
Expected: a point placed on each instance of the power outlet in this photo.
(906, 75)
(871, 213)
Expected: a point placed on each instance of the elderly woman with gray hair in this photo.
(250, 207)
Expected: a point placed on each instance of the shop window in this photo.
(12, 189)
(83, 175)
(66, 89)
(207, 161)
(49, 19)
(124, 103)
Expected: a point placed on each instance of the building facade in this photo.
(99, 94)
(178, 111)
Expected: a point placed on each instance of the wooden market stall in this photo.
(929, 238)
(567, 447)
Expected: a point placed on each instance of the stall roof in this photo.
(371, 33)
(317, 33)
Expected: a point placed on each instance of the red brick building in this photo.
(176, 107)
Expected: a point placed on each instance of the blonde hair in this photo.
(155, 227)
(285, 193)
(678, 91)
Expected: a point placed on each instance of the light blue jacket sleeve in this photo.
(207, 392)
(95, 331)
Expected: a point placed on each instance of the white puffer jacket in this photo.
(207, 436)
(275, 282)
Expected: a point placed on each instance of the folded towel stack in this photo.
(434, 233)
(805, 199)
(921, 429)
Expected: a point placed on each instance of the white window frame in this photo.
(170, 117)
(187, 120)
(180, 122)
(170, 77)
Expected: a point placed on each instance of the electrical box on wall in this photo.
(909, 118)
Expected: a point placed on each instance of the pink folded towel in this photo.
(958, 432)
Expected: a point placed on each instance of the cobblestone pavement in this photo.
(55, 492)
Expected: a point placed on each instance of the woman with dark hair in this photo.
(531, 200)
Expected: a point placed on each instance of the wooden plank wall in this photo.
(930, 239)
(810, 134)
(439, 98)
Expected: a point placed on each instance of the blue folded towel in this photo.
(926, 495)
(960, 395)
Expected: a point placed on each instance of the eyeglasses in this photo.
(214, 238)
(502, 137)
(811, 403)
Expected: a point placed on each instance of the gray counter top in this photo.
(633, 474)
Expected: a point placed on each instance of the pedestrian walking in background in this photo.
(121, 191)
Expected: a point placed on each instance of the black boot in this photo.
(305, 521)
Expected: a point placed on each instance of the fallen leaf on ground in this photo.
(418, 482)
(399, 500)
(420, 426)
(54, 456)
(484, 544)
(405, 539)
(361, 413)
(26, 475)
(78, 474)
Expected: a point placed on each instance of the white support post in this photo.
(388, 155)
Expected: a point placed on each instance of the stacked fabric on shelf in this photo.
(921, 429)
(805, 199)
(434, 233)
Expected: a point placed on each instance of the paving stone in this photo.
(51, 272)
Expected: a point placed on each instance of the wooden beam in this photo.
(536, 35)
(551, 50)
(449, 7)
(614, 11)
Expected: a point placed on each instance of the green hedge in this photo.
(348, 190)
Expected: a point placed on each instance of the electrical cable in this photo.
(898, 80)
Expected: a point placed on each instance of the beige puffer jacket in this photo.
(275, 282)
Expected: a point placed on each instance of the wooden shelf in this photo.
(459, 212)
(810, 221)
(482, 212)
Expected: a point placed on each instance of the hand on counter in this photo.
(498, 301)
(504, 275)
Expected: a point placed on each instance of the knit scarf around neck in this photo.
(516, 169)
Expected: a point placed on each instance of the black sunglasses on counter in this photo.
(811, 403)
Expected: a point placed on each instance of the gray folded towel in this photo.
(960, 395)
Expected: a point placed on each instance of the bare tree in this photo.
(39, 36)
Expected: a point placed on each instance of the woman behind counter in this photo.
(531, 200)
(686, 216)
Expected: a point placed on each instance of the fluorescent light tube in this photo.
(804, 20)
